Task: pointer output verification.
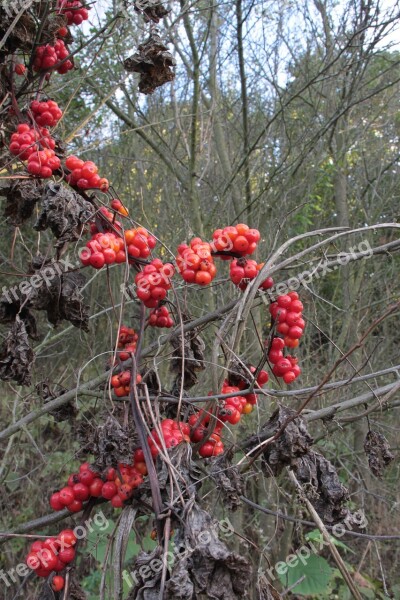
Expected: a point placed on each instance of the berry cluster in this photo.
(25, 141)
(284, 366)
(243, 270)
(239, 239)
(287, 310)
(139, 242)
(195, 262)
(47, 57)
(154, 282)
(47, 113)
(121, 383)
(42, 163)
(173, 433)
(119, 207)
(103, 249)
(160, 317)
(84, 175)
(121, 482)
(127, 341)
(53, 554)
(74, 11)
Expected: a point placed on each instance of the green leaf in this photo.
(316, 536)
(315, 575)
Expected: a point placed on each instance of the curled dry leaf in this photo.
(21, 197)
(10, 308)
(153, 61)
(294, 441)
(64, 212)
(16, 355)
(152, 10)
(112, 444)
(322, 487)
(378, 452)
(228, 481)
(66, 412)
(59, 294)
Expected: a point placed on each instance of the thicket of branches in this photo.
(280, 115)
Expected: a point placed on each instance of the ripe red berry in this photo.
(57, 583)
(19, 69)
(109, 490)
(66, 496)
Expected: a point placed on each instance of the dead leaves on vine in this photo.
(154, 62)
(378, 452)
(64, 212)
(21, 195)
(16, 355)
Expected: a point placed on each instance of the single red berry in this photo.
(57, 583)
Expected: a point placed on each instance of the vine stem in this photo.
(332, 548)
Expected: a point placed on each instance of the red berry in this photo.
(67, 496)
(57, 583)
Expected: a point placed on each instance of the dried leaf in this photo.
(228, 481)
(378, 452)
(16, 355)
(152, 10)
(153, 61)
(292, 443)
(322, 487)
(112, 444)
(66, 412)
(65, 212)
(10, 308)
(60, 293)
(21, 197)
(23, 32)
(208, 567)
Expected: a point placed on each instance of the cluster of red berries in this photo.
(239, 239)
(287, 311)
(47, 57)
(26, 143)
(121, 383)
(42, 163)
(153, 282)
(121, 482)
(230, 411)
(53, 554)
(195, 262)
(139, 242)
(127, 341)
(103, 249)
(160, 317)
(173, 433)
(46, 113)
(74, 11)
(88, 484)
(243, 270)
(284, 366)
(119, 207)
(84, 174)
